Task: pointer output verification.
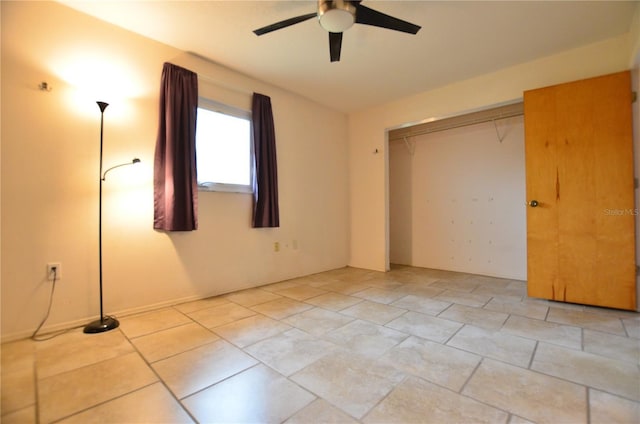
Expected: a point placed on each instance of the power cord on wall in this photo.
(35, 336)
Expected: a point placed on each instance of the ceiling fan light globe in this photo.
(337, 20)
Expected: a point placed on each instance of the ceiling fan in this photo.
(336, 16)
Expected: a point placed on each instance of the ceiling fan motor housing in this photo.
(336, 15)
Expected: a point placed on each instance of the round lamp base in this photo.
(101, 325)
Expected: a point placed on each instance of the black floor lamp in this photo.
(105, 323)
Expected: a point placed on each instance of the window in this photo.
(224, 151)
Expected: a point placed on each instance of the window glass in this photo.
(224, 152)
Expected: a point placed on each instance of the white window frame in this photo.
(214, 106)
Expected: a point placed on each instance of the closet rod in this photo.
(458, 121)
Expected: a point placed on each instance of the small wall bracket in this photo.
(500, 137)
(411, 147)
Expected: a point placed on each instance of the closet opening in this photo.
(456, 193)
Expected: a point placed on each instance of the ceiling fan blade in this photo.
(284, 24)
(335, 46)
(367, 16)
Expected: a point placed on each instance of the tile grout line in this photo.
(288, 378)
(533, 354)
(482, 358)
(445, 309)
(90, 407)
(624, 327)
(444, 343)
(160, 379)
(406, 376)
(564, 379)
(588, 404)
(464, 385)
(180, 400)
(187, 350)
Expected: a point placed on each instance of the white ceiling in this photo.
(458, 40)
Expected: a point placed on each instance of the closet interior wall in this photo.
(457, 197)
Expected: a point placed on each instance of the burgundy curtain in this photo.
(175, 187)
(265, 195)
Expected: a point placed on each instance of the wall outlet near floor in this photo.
(54, 269)
(276, 246)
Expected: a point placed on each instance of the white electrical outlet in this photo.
(54, 269)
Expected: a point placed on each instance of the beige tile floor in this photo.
(344, 346)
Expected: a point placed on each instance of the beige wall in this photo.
(50, 148)
(367, 130)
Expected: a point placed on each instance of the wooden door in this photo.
(579, 169)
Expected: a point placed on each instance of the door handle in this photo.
(532, 203)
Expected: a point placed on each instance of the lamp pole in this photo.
(104, 323)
